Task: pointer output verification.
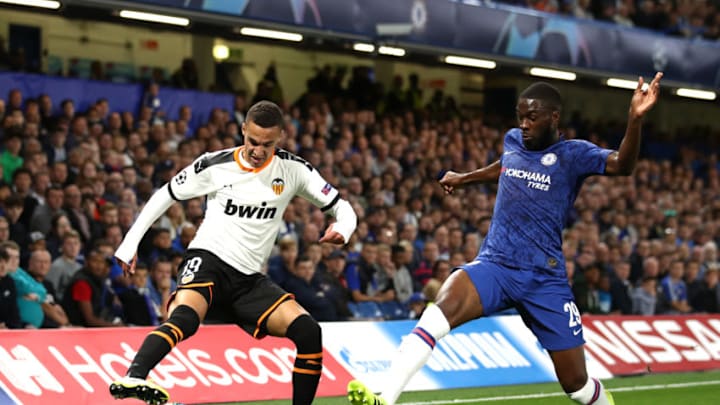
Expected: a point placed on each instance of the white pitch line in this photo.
(559, 394)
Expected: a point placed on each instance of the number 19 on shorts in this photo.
(191, 267)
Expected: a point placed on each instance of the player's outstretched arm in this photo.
(155, 207)
(487, 174)
(623, 161)
(339, 232)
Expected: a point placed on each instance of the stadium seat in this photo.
(365, 310)
(54, 65)
(393, 310)
(120, 72)
(79, 67)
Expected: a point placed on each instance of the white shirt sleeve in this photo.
(155, 207)
(318, 191)
(193, 181)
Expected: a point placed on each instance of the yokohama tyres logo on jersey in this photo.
(535, 180)
(250, 211)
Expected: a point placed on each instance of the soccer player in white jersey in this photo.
(247, 189)
(520, 263)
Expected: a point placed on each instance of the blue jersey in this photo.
(535, 191)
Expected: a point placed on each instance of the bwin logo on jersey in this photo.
(278, 185)
(249, 211)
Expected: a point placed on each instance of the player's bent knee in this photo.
(186, 320)
(305, 332)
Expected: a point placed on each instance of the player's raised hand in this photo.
(332, 236)
(127, 268)
(643, 101)
(450, 180)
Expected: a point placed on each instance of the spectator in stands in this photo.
(709, 258)
(9, 312)
(66, 265)
(281, 265)
(10, 158)
(423, 272)
(706, 298)
(161, 245)
(152, 100)
(440, 272)
(674, 289)
(645, 297)
(173, 219)
(4, 229)
(47, 119)
(161, 285)
(14, 100)
(96, 71)
(113, 187)
(55, 315)
(43, 213)
(402, 281)
(185, 235)
(137, 304)
(416, 305)
(89, 300)
(621, 289)
(366, 280)
(331, 281)
(14, 206)
(186, 77)
(239, 108)
(60, 225)
(30, 293)
(308, 293)
(77, 216)
(642, 250)
(586, 290)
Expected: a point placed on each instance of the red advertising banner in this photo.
(218, 364)
(637, 344)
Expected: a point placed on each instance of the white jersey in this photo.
(245, 205)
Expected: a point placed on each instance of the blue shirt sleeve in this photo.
(589, 158)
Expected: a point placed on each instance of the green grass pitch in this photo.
(698, 388)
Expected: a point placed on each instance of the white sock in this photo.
(592, 393)
(414, 351)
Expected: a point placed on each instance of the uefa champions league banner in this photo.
(493, 30)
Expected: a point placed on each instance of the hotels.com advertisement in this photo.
(218, 364)
(223, 364)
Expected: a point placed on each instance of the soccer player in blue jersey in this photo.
(520, 263)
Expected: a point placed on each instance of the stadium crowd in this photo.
(681, 18)
(73, 182)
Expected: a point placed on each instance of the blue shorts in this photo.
(543, 299)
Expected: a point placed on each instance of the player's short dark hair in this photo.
(545, 92)
(266, 114)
